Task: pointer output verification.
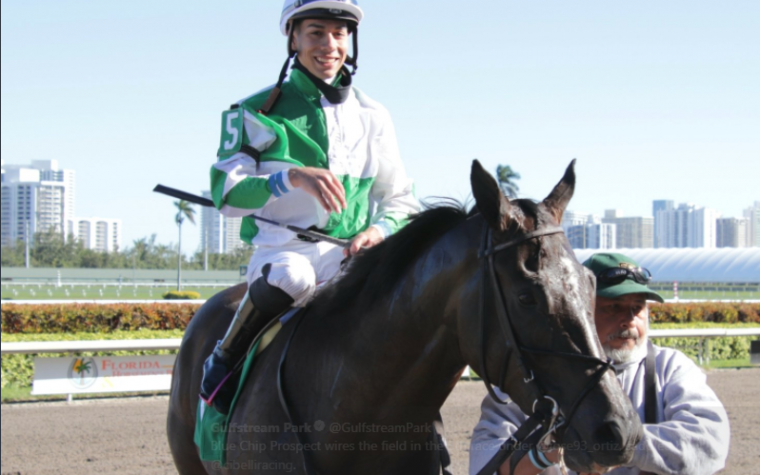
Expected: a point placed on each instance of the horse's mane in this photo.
(374, 272)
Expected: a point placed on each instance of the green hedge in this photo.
(18, 369)
(715, 348)
(95, 318)
(717, 312)
(181, 295)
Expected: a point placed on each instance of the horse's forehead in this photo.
(566, 285)
(558, 263)
(568, 268)
(531, 214)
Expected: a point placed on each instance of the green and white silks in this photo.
(355, 140)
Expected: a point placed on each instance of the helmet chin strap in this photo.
(274, 94)
(352, 60)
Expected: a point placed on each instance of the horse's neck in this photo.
(407, 344)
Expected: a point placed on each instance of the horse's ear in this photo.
(560, 196)
(491, 203)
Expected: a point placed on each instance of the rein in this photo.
(546, 411)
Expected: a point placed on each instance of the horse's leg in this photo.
(180, 424)
(207, 326)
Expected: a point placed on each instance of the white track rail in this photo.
(34, 347)
(173, 343)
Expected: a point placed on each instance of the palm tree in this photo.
(81, 367)
(184, 210)
(506, 177)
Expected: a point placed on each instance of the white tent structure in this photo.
(721, 265)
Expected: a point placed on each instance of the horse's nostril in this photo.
(610, 442)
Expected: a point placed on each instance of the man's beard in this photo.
(625, 355)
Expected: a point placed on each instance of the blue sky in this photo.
(656, 100)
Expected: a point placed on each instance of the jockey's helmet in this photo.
(347, 10)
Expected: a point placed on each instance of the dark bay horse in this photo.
(374, 358)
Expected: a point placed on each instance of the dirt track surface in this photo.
(128, 436)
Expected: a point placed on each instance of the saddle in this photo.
(210, 434)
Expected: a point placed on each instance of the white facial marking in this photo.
(571, 280)
(572, 284)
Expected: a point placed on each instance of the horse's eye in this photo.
(526, 299)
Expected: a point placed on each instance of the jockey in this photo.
(313, 152)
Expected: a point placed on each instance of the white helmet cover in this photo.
(292, 7)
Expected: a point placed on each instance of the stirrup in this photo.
(216, 372)
(210, 399)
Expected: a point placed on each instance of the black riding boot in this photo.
(260, 305)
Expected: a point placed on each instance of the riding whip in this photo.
(199, 200)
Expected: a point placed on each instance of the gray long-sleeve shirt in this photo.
(691, 435)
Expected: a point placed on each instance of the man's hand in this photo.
(363, 240)
(322, 185)
(525, 466)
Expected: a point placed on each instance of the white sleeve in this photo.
(694, 434)
(392, 191)
(497, 423)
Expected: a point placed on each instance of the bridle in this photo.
(546, 411)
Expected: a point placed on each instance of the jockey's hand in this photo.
(363, 240)
(322, 185)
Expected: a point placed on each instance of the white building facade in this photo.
(687, 226)
(99, 234)
(601, 236)
(632, 232)
(657, 206)
(732, 232)
(35, 198)
(219, 234)
(586, 231)
(753, 224)
(41, 197)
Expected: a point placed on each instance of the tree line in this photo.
(50, 249)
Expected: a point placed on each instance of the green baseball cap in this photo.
(633, 281)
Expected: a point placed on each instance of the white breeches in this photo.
(297, 267)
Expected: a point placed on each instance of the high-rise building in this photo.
(574, 225)
(731, 232)
(585, 231)
(601, 236)
(632, 232)
(687, 226)
(753, 224)
(219, 234)
(657, 206)
(572, 218)
(41, 197)
(35, 198)
(99, 234)
(576, 235)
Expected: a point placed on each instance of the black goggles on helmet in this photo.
(616, 275)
